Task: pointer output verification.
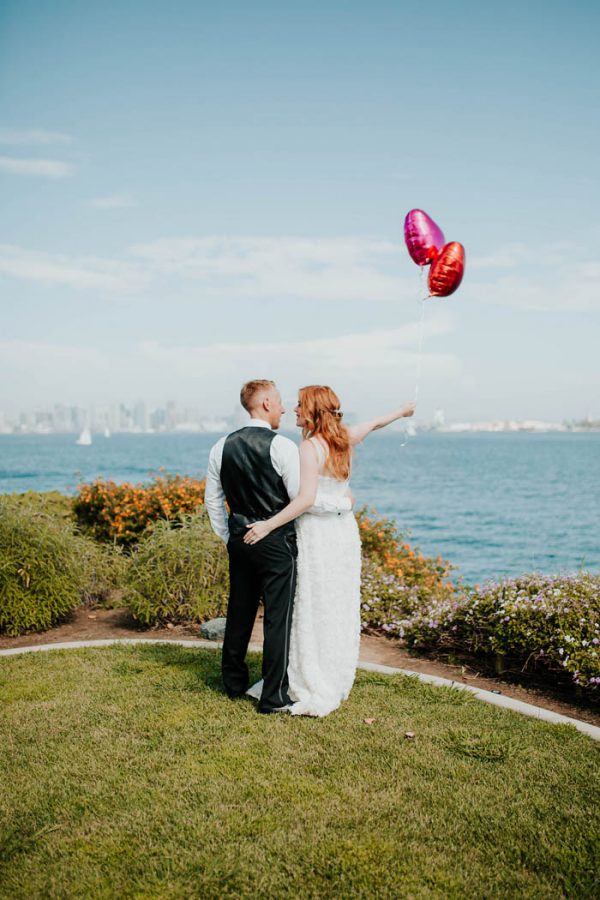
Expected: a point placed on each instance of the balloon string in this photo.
(422, 300)
(420, 350)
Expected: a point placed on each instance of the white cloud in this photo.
(236, 268)
(221, 268)
(502, 258)
(84, 273)
(328, 269)
(43, 372)
(574, 286)
(372, 351)
(19, 355)
(511, 256)
(114, 201)
(45, 168)
(369, 370)
(29, 136)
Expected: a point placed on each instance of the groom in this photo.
(256, 471)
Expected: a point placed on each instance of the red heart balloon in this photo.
(447, 270)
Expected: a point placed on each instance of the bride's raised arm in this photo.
(359, 432)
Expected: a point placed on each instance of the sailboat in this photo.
(107, 432)
(85, 438)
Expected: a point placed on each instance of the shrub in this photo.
(45, 570)
(178, 573)
(52, 503)
(103, 570)
(396, 579)
(385, 598)
(550, 622)
(122, 512)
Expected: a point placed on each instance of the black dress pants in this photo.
(266, 569)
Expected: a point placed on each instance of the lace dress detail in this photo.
(326, 621)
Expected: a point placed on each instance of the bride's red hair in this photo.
(320, 409)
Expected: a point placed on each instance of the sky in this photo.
(194, 194)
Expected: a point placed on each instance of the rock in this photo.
(214, 630)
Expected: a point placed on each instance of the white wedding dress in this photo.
(325, 635)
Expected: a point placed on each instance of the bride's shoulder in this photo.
(318, 447)
(308, 445)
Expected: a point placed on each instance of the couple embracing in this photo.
(293, 541)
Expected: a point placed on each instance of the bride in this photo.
(325, 633)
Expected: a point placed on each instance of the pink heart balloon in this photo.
(424, 239)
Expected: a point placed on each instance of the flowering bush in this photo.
(550, 622)
(122, 512)
(396, 580)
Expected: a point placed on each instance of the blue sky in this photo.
(194, 194)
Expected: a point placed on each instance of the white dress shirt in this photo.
(286, 462)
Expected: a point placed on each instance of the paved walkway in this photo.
(496, 699)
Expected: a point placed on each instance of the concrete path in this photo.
(527, 709)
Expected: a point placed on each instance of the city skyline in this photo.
(142, 417)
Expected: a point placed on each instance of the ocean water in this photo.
(494, 505)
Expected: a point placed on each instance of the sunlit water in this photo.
(492, 504)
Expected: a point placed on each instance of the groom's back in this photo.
(251, 485)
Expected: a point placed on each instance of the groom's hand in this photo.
(256, 532)
(409, 410)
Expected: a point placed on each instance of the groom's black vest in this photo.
(252, 487)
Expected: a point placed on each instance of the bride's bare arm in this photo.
(309, 475)
(359, 432)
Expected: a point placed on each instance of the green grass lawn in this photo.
(126, 772)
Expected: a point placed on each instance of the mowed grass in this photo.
(126, 772)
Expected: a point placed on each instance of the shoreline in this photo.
(459, 429)
(420, 541)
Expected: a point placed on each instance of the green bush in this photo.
(552, 623)
(179, 572)
(52, 503)
(43, 572)
(46, 570)
(103, 571)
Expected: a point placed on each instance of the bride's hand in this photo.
(409, 410)
(256, 532)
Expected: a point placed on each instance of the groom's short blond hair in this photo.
(251, 389)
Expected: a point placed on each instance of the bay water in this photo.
(494, 505)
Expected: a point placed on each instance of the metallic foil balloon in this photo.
(423, 238)
(447, 270)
